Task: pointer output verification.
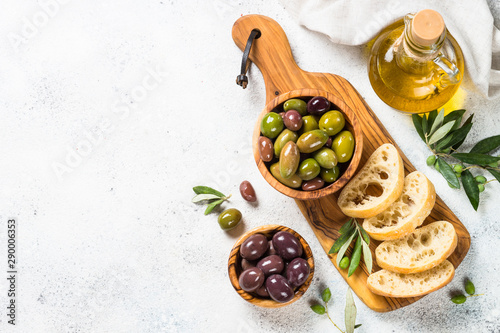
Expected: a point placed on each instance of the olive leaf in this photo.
(350, 312)
(475, 158)
(495, 174)
(441, 132)
(207, 190)
(454, 137)
(356, 256)
(417, 122)
(455, 115)
(326, 295)
(204, 197)
(468, 121)
(318, 308)
(346, 227)
(446, 170)
(341, 240)
(471, 188)
(366, 238)
(431, 117)
(486, 145)
(367, 257)
(344, 248)
(437, 123)
(211, 206)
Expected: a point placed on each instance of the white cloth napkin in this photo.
(355, 22)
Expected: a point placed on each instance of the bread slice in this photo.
(421, 250)
(376, 186)
(387, 283)
(407, 212)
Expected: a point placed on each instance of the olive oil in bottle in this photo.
(415, 65)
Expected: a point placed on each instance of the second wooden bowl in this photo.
(351, 123)
(234, 267)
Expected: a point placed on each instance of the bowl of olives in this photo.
(307, 143)
(271, 266)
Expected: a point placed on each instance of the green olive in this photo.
(325, 157)
(282, 139)
(343, 146)
(271, 125)
(332, 122)
(229, 218)
(294, 181)
(309, 169)
(459, 299)
(296, 104)
(431, 160)
(309, 123)
(480, 179)
(312, 141)
(289, 159)
(330, 175)
(469, 288)
(344, 263)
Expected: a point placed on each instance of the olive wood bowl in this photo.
(235, 270)
(351, 124)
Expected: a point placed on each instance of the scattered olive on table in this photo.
(229, 218)
(305, 143)
(247, 192)
(280, 268)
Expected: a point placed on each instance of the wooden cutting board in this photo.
(272, 54)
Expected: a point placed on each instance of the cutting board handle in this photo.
(271, 53)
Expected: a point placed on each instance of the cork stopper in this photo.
(427, 27)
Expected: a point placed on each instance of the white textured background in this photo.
(114, 244)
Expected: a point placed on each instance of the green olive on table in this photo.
(332, 122)
(343, 146)
(289, 159)
(296, 104)
(294, 181)
(271, 125)
(330, 175)
(312, 141)
(309, 169)
(325, 157)
(229, 218)
(282, 139)
(309, 123)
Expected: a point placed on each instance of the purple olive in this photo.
(318, 105)
(297, 272)
(266, 148)
(292, 120)
(272, 264)
(287, 245)
(328, 143)
(313, 184)
(254, 247)
(247, 191)
(246, 264)
(279, 289)
(262, 291)
(270, 250)
(251, 279)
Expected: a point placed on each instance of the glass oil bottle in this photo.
(415, 65)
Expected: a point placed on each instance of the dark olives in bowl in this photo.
(285, 280)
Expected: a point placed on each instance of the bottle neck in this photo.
(413, 57)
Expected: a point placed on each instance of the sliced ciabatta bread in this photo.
(387, 283)
(383, 172)
(407, 212)
(418, 251)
